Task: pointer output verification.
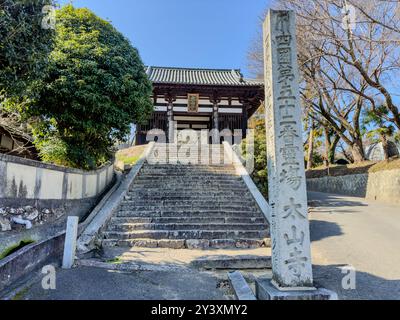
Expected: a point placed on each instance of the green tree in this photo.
(24, 47)
(96, 87)
(260, 173)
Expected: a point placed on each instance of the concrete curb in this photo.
(101, 204)
(87, 239)
(242, 290)
(131, 266)
(241, 170)
(235, 262)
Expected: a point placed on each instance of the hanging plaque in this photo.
(193, 102)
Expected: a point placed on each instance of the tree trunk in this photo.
(310, 162)
(327, 147)
(385, 145)
(357, 151)
(332, 150)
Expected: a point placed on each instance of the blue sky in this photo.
(185, 33)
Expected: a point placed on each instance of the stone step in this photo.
(192, 155)
(127, 227)
(188, 243)
(231, 181)
(194, 174)
(175, 204)
(237, 199)
(188, 208)
(181, 181)
(186, 188)
(186, 234)
(204, 203)
(188, 162)
(179, 165)
(201, 176)
(183, 156)
(182, 185)
(180, 146)
(187, 196)
(187, 151)
(187, 214)
(202, 159)
(191, 204)
(194, 188)
(203, 220)
(173, 196)
(186, 148)
(188, 169)
(212, 193)
(184, 159)
(233, 262)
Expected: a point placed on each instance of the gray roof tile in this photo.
(217, 77)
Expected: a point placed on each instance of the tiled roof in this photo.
(216, 77)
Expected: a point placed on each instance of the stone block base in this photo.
(265, 290)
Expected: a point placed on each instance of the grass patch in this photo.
(356, 168)
(131, 155)
(20, 295)
(116, 260)
(14, 248)
(127, 159)
(386, 165)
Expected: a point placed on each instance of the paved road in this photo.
(366, 235)
(100, 284)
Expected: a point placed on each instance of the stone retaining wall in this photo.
(27, 179)
(20, 265)
(36, 198)
(381, 186)
(26, 261)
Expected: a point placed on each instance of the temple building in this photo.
(200, 99)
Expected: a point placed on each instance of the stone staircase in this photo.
(183, 206)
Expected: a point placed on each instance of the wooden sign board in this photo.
(193, 102)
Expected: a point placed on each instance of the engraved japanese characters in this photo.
(291, 257)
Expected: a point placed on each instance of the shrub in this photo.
(96, 87)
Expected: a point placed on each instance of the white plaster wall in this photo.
(110, 174)
(75, 186)
(103, 181)
(91, 186)
(51, 184)
(36, 181)
(21, 173)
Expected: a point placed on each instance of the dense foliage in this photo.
(259, 175)
(24, 46)
(96, 87)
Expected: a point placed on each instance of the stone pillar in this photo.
(71, 237)
(290, 232)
